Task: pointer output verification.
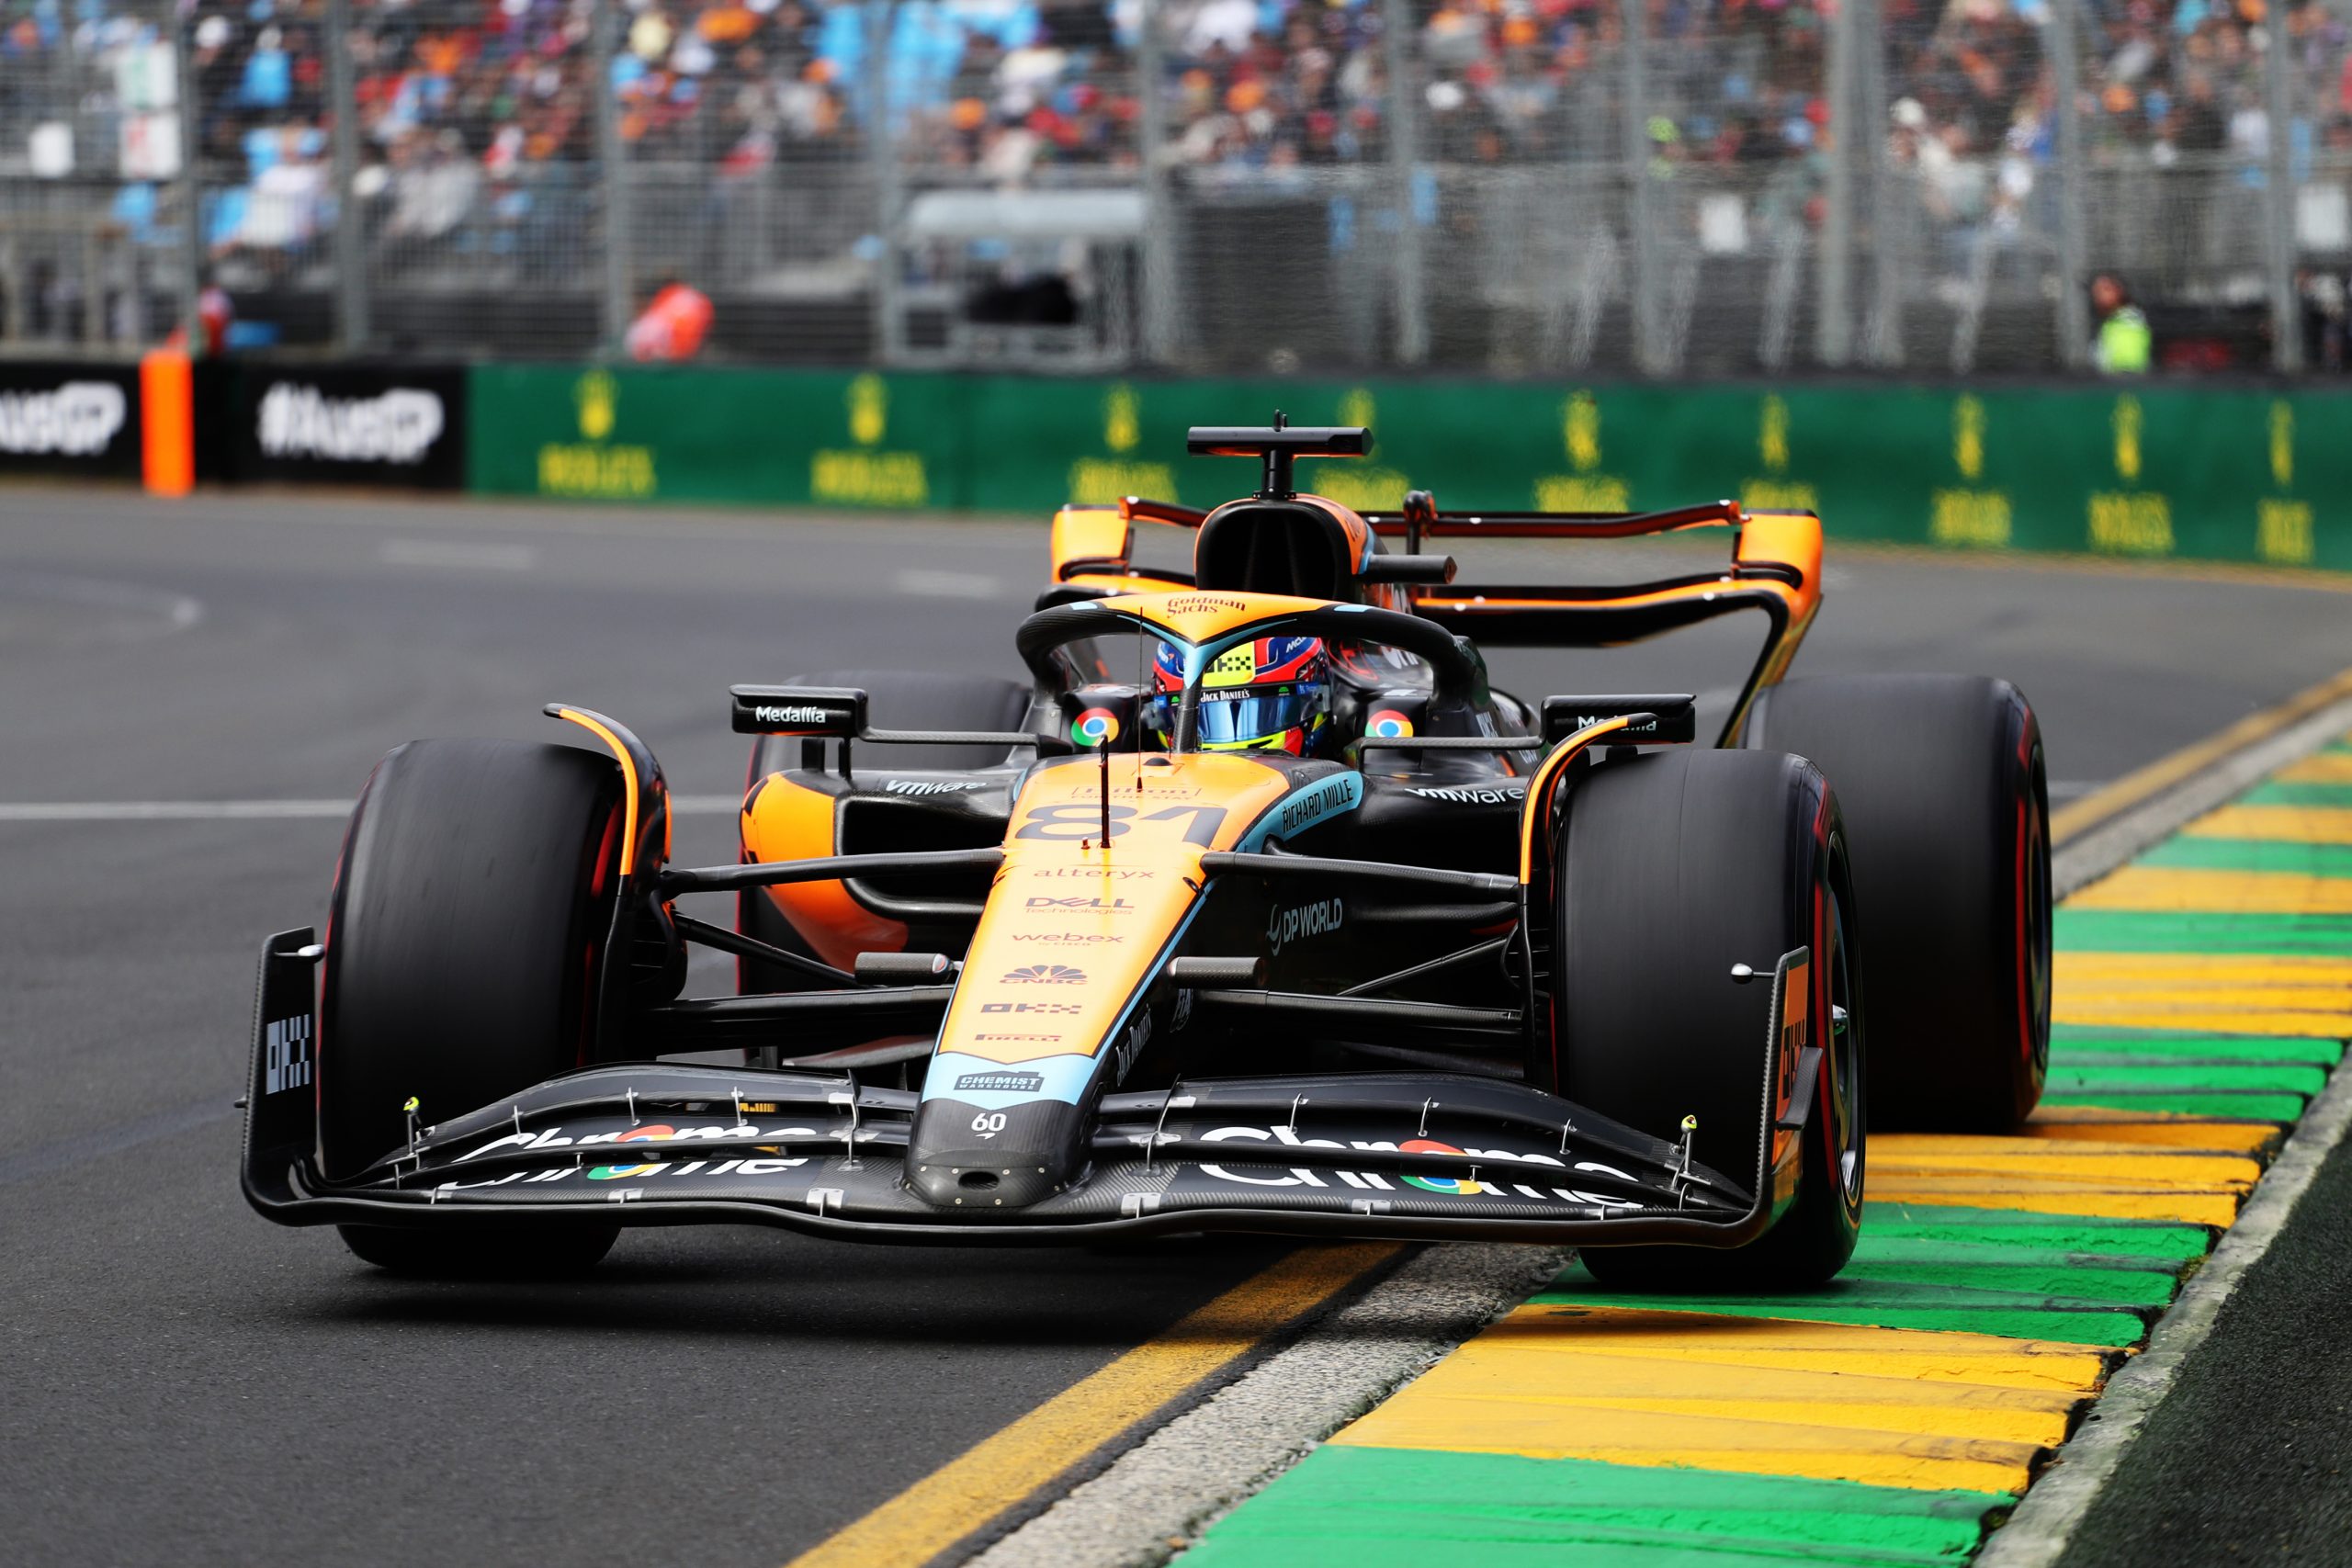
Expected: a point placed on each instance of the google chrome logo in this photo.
(1454, 1187)
(1387, 723)
(1095, 726)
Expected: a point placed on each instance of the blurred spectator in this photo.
(672, 324)
(432, 187)
(2124, 342)
(215, 312)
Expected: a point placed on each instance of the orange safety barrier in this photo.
(168, 418)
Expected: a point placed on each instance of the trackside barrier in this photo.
(2237, 473)
(170, 423)
(2242, 474)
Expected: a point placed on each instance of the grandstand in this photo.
(1516, 186)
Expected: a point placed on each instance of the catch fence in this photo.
(1580, 188)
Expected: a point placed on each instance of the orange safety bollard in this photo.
(167, 421)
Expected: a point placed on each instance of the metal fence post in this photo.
(1882, 344)
(2073, 174)
(1159, 236)
(889, 331)
(1648, 346)
(191, 184)
(1833, 341)
(612, 177)
(1404, 162)
(350, 256)
(2278, 194)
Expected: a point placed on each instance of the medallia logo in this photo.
(1045, 974)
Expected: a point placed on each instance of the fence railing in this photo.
(1706, 188)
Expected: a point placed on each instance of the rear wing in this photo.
(1775, 569)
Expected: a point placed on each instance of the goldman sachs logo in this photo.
(396, 426)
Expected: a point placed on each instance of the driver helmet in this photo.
(1269, 694)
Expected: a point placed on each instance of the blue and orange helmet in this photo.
(1272, 694)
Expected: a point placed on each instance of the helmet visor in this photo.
(1255, 714)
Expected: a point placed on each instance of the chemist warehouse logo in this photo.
(1475, 1182)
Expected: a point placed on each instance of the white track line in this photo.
(1159, 1496)
(260, 810)
(946, 584)
(168, 612)
(461, 554)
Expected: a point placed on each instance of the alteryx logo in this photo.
(285, 1062)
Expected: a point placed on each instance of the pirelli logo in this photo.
(285, 1054)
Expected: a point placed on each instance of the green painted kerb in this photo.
(2152, 471)
(1359, 1508)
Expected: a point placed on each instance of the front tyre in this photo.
(1674, 867)
(464, 944)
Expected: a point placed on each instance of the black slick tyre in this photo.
(1941, 780)
(465, 940)
(1674, 867)
(896, 699)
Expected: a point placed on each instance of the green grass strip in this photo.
(2204, 1076)
(2158, 930)
(1365, 1507)
(1938, 1224)
(2235, 1107)
(2072, 1043)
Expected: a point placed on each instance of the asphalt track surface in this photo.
(188, 1383)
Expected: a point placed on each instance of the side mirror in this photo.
(1675, 717)
(818, 712)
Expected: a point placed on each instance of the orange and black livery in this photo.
(1254, 904)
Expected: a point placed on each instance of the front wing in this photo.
(1402, 1156)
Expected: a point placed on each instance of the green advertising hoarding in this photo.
(2147, 470)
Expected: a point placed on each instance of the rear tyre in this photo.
(1675, 866)
(1941, 780)
(464, 944)
(896, 699)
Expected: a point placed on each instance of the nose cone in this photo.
(962, 1155)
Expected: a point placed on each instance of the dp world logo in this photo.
(1045, 974)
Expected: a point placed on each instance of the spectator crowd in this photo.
(477, 127)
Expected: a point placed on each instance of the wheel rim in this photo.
(2035, 938)
(1845, 1057)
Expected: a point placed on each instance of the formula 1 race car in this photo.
(1253, 909)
